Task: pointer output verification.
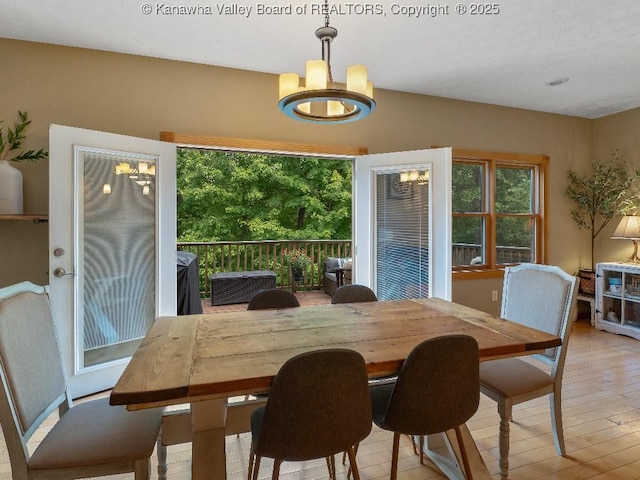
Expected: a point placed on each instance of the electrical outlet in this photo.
(494, 295)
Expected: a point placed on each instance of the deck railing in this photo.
(214, 257)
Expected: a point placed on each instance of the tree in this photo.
(239, 196)
(603, 194)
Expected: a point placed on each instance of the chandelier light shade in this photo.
(629, 229)
(319, 99)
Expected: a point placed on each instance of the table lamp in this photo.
(629, 229)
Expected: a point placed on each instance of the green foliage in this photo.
(298, 260)
(236, 196)
(610, 190)
(513, 195)
(11, 140)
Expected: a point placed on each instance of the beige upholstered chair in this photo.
(437, 390)
(89, 440)
(318, 406)
(353, 293)
(542, 297)
(273, 298)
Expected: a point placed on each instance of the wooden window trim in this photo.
(195, 141)
(540, 192)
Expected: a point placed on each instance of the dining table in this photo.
(204, 360)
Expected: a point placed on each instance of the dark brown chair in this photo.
(273, 298)
(438, 389)
(318, 406)
(353, 293)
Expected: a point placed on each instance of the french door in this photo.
(402, 223)
(112, 258)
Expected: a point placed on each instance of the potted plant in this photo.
(606, 192)
(298, 261)
(10, 151)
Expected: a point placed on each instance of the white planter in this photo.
(10, 189)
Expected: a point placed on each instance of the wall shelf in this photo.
(35, 218)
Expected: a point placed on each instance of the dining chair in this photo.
(437, 390)
(273, 298)
(542, 297)
(318, 406)
(90, 439)
(353, 293)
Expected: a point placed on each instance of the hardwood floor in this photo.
(601, 413)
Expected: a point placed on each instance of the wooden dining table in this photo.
(203, 360)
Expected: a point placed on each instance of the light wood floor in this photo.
(601, 413)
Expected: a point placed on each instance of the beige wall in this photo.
(621, 132)
(142, 96)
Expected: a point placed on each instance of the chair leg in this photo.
(353, 467)
(142, 469)
(251, 460)
(256, 468)
(504, 410)
(276, 469)
(555, 400)
(421, 444)
(394, 456)
(331, 466)
(468, 474)
(355, 452)
(161, 451)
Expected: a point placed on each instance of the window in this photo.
(498, 203)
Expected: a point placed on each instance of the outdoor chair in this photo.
(273, 298)
(542, 297)
(318, 406)
(353, 293)
(437, 390)
(92, 439)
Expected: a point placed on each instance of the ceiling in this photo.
(504, 59)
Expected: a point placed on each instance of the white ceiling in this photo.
(503, 59)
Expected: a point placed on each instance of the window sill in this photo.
(477, 274)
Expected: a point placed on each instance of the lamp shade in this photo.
(628, 228)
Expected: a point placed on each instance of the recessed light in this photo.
(557, 81)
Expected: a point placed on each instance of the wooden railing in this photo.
(464, 253)
(214, 257)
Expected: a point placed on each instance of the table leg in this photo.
(209, 460)
(444, 451)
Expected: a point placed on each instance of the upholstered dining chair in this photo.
(542, 297)
(90, 439)
(273, 298)
(437, 390)
(318, 406)
(353, 293)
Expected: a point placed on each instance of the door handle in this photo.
(61, 272)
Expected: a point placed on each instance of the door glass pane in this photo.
(115, 281)
(402, 234)
(515, 240)
(467, 241)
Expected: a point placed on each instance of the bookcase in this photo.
(618, 298)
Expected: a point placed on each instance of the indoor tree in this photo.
(610, 189)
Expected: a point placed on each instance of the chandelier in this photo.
(142, 173)
(320, 100)
(422, 177)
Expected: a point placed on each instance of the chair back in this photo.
(273, 298)
(353, 293)
(542, 297)
(438, 387)
(318, 405)
(33, 382)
